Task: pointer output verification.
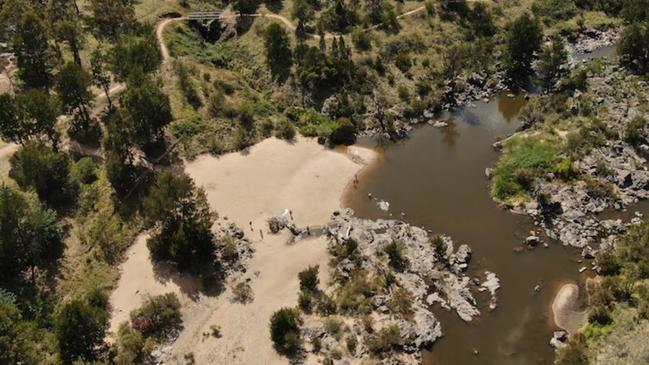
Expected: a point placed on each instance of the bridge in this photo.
(204, 16)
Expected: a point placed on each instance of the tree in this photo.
(146, 108)
(100, 77)
(302, 10)
(245, 6)
(309, 279)
(635, 10)
(29, 235)
(29, 115)
(73, 86)
(33, 54)
(45, 170)
(633, 47)
(551, 63)
(182, 219)
(80, 327)
(119, 159)
(16, 346)
(285, 331)
(278, 51)
(344, 132)
(134, 55)
(524, 36)
(112, 18)
(63, 17)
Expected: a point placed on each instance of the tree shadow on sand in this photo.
(206, 281)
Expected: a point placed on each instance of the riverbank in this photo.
(247, 188)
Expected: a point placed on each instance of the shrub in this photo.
(387, 339)
(186, 128)
(573, 354)
(158, 317)
(242, 292)
(526, 160)
(326, 305)
(84, 171)
(396, 259)
(565, 169)
(635, 131)
(361, 39)
(305, 301)
(343, 133)
(285, 331)
(45, 170)
(309, 279)
(355, 296)
(80, 327)
(285, 130)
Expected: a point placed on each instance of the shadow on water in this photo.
(437, 178)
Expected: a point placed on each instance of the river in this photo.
(436, 178)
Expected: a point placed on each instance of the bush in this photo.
(84, 171)
(80, 328)
(635, 131)
(526, 160)
(565, 169)
(387, 339)
(159, 317)
(45, 170)
(343, 133)
(285, 130)
(285, 331)
(361, 39)
(573, 354)
(309, 279)
(396, 259)
(186, 128)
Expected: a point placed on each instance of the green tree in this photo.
(29, 115)
(29, 235)
(245, 6)
(45, 170)
(633, 47)
(278, 51)
(551, 63)
(146, 108)
(110, 18)
(16, 346)
(33, 53)
(524, 36)
(100, 76)
(182, 220)
(302, 10)
(309, 279)
(119, 159)
(73, 86)
(133, 55)
(80, 327)
(635, 10)
(285, 331)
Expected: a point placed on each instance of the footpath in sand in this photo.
(249, 187)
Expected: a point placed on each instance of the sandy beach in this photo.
(565, 308)
(249, 187)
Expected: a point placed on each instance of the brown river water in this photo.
(437, 178)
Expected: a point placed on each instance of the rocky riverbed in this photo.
(387, 278)
(611, 176)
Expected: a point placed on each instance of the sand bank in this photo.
(249, 187)
(566, 311)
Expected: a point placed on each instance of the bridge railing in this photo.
(212, 15)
